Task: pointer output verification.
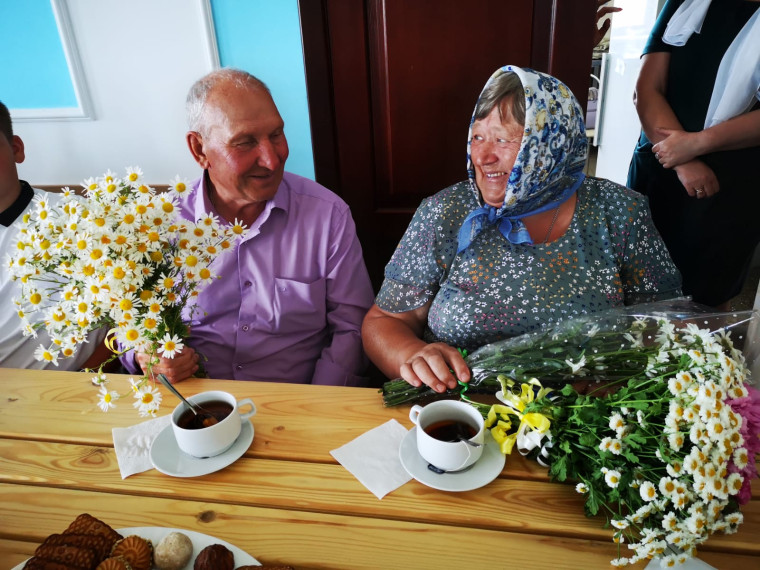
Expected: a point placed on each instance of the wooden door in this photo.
(392, 85)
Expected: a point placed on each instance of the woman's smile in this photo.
(494, 147)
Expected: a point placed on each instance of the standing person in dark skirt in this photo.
(698, 157)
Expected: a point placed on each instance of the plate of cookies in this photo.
(90, 543)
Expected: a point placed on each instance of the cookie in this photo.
(135, 550)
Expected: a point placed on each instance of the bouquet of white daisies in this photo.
(119, 257)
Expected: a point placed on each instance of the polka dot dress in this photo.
(610, 255)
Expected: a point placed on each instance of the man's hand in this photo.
(176, 369)
(432, 365)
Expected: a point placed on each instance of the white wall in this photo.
(618, 126)
(139, 59)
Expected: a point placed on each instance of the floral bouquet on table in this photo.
(120, 257)
(663, 446)
(595, 347)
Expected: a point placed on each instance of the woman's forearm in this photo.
(649, 97)
(390, 341)
(740, 132)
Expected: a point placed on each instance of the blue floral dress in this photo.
(497, 287)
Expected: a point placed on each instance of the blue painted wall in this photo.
(34, 71)
(263, 37)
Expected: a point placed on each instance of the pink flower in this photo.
(749, 409)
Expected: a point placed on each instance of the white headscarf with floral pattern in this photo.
(549, 165)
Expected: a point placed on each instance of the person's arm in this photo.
(677, 146)
(348, 293)
(657, 117)
(649, 96)
(393, 341)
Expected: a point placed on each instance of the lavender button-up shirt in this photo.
(293, 293)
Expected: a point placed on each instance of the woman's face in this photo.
(494, 147)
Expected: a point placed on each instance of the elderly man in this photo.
(293, 293)
(16, 199)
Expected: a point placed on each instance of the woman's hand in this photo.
(437, 365)
(698, 179)
(677, 147)
(181, 367)
(393, 342)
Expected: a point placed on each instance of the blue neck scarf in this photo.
(549, 165)
(511, 227)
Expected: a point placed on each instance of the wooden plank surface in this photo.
(286, 422)
(522, 506)
(287, 500)
(301, 539)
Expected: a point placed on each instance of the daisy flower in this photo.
(46, 354)
(99, 379)
(170, 346)
(179, 185)
(648, 491)
(106, 398)
(147, 400)
(134, 173)
(612, 478)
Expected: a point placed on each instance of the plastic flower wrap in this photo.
(122, 258)
(596, 346)
(647, 410)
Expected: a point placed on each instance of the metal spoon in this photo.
(208, 419)
(466, 438)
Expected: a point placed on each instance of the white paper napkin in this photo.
(132, 445)
(373, 458)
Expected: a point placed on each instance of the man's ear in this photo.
(17, 145)
(195, 144)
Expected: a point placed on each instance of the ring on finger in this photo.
(698, 191)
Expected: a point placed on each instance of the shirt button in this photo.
(239, 367)
(245, 328)
(248, 283)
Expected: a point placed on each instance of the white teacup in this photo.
(218, 437)
(450, 421)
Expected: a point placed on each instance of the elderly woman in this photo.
(526, 241)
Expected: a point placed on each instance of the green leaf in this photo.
(588, 439)
(558, 469)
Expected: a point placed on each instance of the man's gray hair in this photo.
(505, 92)
(199, 92)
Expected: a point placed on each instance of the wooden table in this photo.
(287, 500)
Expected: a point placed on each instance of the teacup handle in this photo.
(248, 414)
(414, 413)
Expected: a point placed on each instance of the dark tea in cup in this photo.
(450, 430)
(217, 409)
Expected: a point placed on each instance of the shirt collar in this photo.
(203, 205)
(12, 212)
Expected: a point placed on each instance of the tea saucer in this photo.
(167, 457)
(485, 470)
